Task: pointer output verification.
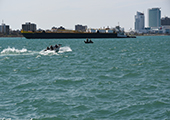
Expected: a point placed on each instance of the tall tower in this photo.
(4, 28)
(139, 22)
(154, 17)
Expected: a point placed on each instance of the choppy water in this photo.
(111, 79)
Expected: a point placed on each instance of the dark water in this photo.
(111, 79)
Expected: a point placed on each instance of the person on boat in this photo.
(56, 46)
(87, 40)
(47, 49)
(90, 41)
(51, 47)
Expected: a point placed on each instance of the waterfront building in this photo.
(40, 30)
(139, 22)
(165, 21)
(54, 29)
(91, 30)
(166, 29)
(154, 17)
(29, 27)
(80, 27)
(61, 28)
(4, 28)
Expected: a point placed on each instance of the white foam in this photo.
(6, 58)
(65, 49)
(23, 51)
(48, 52)
(61, 50)
(13, 50)
(38, 56)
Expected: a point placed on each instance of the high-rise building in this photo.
(154, 17)
(4, 28)
(165, 21)
(80, 28)
(139, 22)
(29, 27)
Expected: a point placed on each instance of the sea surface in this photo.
(111, 79)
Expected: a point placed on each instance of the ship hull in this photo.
(68, 35)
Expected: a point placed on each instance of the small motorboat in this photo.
(88, 41)
(55, 48)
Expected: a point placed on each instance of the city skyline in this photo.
(94, 14)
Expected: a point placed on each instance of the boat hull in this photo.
(88, 42)
(68, 35)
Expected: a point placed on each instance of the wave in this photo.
(48, 52)
(61, 50)
(5, 119)
(13, 51)
(24, 51)
(65, 49)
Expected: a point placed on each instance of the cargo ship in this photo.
(71, 35)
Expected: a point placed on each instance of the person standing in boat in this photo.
(87, 40)
(51, 47)
(47, 49)
(56, 46)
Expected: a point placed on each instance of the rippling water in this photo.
(111, 79)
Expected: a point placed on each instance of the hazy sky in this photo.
(68, 13)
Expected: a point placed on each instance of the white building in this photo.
(91, 30)
(139, 22)
(166, 29)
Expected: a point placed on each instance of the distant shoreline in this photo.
(5, 36)
(153, 35)
(11, 36)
